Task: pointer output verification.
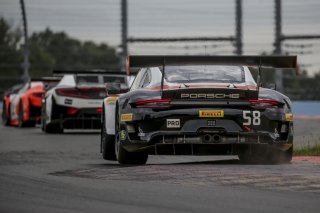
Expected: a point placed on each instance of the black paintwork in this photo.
(191, 137)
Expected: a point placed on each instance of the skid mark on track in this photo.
(297, 176)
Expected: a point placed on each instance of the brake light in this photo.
(86, 93)
(99, 109)
(70, 92)
(260, 103)
(155, 103)
(72, 111)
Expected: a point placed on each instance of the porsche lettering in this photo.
(209, 96)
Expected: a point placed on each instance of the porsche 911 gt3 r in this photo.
(22, 103)
(75, 103)
(203, 105)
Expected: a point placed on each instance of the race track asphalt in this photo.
(65, 173)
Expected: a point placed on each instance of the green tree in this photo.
(10, 55)
(56, 50)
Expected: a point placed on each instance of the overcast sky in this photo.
(99, 20)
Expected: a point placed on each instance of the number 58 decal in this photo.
(251, 118)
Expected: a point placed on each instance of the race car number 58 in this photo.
(251, 118)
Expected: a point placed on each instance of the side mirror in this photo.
(116, 88)
(46, 87)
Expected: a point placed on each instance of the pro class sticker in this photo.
(173, 123)
(126, 117)
(211, 113)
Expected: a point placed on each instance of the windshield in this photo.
(204, 73)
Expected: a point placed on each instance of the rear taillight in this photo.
(72, 110)
(70, 92)
(155, 103)
(99, 109)
(87, 93)
(260, 103)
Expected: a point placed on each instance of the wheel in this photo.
(123, 156)
(107, 143)
(51, 127)
(269, 156)
(21, 122)
(5, 116)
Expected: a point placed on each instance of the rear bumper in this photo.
(206, 149)
(86, 118)
(205, 136)
(81, 123)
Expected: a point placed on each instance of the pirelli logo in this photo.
(211, 113)
(209, 96)
(126, 117)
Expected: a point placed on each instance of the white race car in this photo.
(75, 103)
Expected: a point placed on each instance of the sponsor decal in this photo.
(126, 117)
(111, 100)
(68, 101)
(209, 96)
(289, 117)
(211, 113)
(123, 135)
(173, 123)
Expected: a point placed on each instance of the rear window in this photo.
(111, 79)
(204, 73)
(87, 79)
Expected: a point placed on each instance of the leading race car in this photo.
(22, 103)
(202, 105)
(75, 103)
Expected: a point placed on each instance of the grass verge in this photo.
(308, 151)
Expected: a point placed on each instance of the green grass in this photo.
(308, 151)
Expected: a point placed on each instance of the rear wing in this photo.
(88, 72)
(251, 61)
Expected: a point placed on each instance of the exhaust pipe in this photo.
(211, 138)
(207, 138)
(216, 138)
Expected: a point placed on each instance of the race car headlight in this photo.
(155, 103)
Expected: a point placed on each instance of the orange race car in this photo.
(22, 103)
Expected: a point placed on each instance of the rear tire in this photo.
(5, 116)
(21, 122)
(125, 157)
(51, 127)
(107, 143)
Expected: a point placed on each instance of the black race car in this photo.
(203, 105)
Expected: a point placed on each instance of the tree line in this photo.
(57, 50)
